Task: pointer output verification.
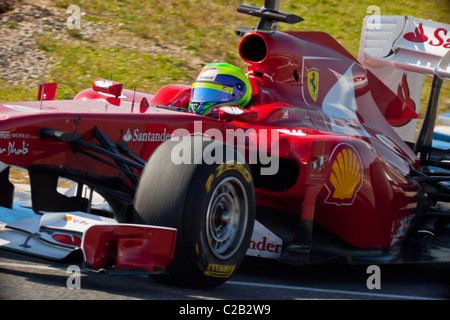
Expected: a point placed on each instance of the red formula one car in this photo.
(321, 164)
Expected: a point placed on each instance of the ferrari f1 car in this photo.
(322, 164)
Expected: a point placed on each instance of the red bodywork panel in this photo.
(330, 115)
(129, 246)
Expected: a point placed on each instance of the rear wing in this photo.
(400, 50)
(406, 43)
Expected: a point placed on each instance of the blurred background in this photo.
(147, 44)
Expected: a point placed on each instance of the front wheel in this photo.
(211, 205)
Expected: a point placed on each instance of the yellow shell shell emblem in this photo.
(346, 175)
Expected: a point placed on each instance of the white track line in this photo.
(297, 288)
(260, 285)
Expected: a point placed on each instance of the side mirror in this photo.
(237, 114)
(109, 87)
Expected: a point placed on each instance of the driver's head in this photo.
(219, 84)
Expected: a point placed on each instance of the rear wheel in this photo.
(211, 205)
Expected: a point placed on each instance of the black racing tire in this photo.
(212, 206)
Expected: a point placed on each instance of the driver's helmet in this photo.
(219, 84)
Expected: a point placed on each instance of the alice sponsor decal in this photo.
(137, 135)
(15, 149)
(346, 175)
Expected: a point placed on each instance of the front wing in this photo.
(104, 243)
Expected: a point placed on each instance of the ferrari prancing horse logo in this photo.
(313, 83)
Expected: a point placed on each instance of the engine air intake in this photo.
(253, 48)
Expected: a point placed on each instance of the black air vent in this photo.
(253, 49)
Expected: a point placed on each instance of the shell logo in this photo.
(346, 175)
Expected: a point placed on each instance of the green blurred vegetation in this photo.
(202, 28)
(77, 66)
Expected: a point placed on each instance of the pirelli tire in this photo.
(211, 205)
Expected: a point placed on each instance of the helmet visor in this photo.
(211, 92)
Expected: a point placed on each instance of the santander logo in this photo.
(438, 38)
(417, 36)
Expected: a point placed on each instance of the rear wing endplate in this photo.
(406, 43)
(400, 51)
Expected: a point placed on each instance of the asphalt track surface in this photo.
(27, 278)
